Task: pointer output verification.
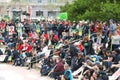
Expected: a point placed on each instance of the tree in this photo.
(93, 9)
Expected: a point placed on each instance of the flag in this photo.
(2, 25)
(6, 18)
(37, 28)
(80, 31)
(63, 16)
(89, 34)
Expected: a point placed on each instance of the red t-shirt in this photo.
(80, 47)
(33, 40)
(2, 25)
(30, 34)
(55, 37)
(20, 47)
(45, 36)
(29, 48)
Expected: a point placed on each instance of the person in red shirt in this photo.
(54, 38)
(30, 34)
(25, 46)
(45, 38)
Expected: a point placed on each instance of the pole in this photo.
(111, 45)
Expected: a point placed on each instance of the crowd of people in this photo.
(64, 50)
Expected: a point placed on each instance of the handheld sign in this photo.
(115, 75)
(11, 30)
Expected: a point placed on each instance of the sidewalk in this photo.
(9, 72)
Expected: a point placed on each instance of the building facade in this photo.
(36, 8)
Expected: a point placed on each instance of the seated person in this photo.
(78, 62)
(58, 70)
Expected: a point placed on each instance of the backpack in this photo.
(45, 70)
(103, 75)
(66, 75)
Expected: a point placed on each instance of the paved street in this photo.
(9, 72)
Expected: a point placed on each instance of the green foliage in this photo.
(93, 9)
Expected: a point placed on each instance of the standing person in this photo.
(105, 27)
(37, 26)
(15, 56)
(22, 58)
(60, 29)
(85, 29)
(8, 54)
(54, 38)
(80, 28)
(92, 27)
(45, 38)
(66, 27)
(45, 26)
(87, 46)
(55, 28)
(19, 29)
(32, 61)
(112, 27)
(115, 41)
(99, 27)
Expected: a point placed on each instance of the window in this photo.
(16, 0)
(39, 13)
(29, 1)
(52, 1)
(39, 1)
(51, 14)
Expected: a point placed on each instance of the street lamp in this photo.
(13, 9)
(20, 9)
(7, 11)
(14, 12)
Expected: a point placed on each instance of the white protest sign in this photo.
(115, 75)
(11, 30)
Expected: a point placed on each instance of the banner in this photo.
(11, 30)
(2, 57)
(63, 16)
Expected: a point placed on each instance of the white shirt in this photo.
(116, 40)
